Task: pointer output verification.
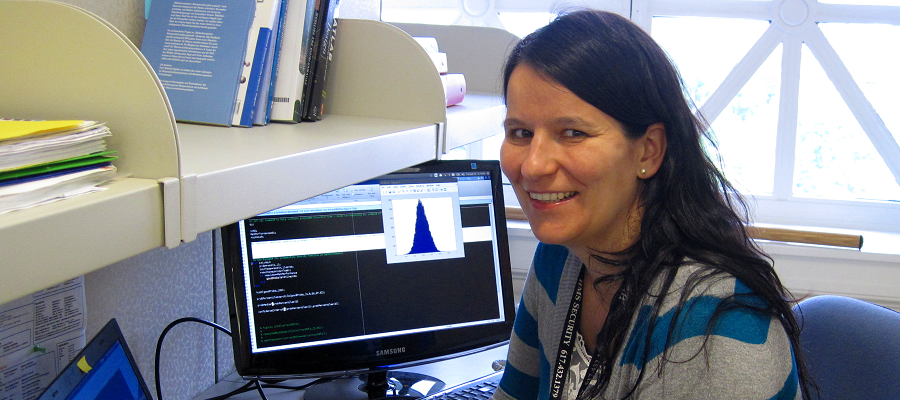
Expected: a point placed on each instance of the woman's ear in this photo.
(651, 150)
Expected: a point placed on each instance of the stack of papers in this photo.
(43, 161)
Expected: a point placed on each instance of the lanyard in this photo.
(567, 346)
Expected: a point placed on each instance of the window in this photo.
(801, 94)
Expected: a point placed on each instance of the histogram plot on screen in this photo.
(422, 221)
(424, 225)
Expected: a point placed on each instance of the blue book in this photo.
(197, 50)
(256, 72)
(263, 17)
(263, 112)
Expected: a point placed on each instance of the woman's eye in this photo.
(519, 133)
(571, 133)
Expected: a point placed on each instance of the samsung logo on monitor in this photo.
(387, 352)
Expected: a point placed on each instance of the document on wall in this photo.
(39, 335)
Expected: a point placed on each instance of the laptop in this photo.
(104, 369)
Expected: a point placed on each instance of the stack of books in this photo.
(242, 62)
(44, 161)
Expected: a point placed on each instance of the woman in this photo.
(645, 284)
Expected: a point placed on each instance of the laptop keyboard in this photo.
(481, 388)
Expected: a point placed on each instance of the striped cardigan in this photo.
(748, 355)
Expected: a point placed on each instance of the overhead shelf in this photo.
(236, 173)
(384, 111)
(61, 62)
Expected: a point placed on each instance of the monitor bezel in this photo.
(360, 356)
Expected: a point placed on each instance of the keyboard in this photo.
(478, 389)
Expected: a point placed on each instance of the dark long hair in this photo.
(691, 213)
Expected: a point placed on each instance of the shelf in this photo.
(385, 111)
(79, 67)
(478, 117)
(50, 243)
(235, 173)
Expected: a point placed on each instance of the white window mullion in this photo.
(431, 4)
(554, 6)
(786, 140)
(741, 73)
(863, 14)
(711, 8)
(853, 96)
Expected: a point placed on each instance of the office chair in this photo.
(852, 347)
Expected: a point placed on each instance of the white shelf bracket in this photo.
(171, 201)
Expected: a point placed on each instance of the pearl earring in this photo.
(643, 171)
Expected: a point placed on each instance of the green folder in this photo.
(74, 162)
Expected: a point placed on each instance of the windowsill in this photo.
(877, 246)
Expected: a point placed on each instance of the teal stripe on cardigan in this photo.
(552, 255)
(740, 324)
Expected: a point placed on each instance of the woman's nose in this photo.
(540, 159)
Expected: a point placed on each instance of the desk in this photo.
(453, 372)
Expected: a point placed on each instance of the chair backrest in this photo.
(852, 347)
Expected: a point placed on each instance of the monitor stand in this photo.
(374, 385)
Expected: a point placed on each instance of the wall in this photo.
(147, 292)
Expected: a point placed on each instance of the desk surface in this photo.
(453, 372)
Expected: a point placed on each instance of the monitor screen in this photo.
(405, 268)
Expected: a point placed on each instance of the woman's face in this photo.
(572, 167)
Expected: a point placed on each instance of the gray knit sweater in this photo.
(748, 355)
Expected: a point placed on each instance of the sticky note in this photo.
(83, 365)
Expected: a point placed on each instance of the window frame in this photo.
(782, 206)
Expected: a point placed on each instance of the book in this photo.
(258, 42)
(292, 68)
(197, 50)
(245, 110)
(323, 46)
(262, 113)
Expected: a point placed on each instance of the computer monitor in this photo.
(400, 270)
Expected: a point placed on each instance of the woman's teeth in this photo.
(551, 197)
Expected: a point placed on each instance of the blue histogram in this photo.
(423, 241)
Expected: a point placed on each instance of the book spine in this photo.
(263, 111)
(263, 17)
(315, 109)
(311, 38)
(292, 63)
(253, 85)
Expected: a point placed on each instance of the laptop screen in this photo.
(105, 369)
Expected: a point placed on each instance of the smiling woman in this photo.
(574, 170)
(646, 283)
